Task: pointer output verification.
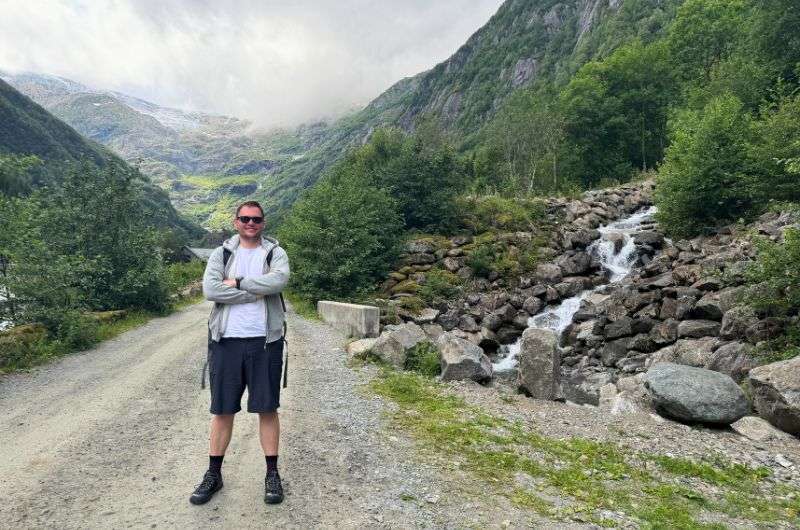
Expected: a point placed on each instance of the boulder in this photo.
(578, 263)
(766, 329)
(462, 360)
(420, 259)
(394, 343)
(426, 316)
(690, 352)
(759, 430)
(532, 305)
(449, 319)
(736, 321)
(580, 238)
(360, 348)
(621, 327)
(467, 323)
(653, 239)
(708, 308)
(584, 388)
(665, 333)
(776, 394)
(693, 329)
(693, 394)
(420, 246)
(735, 359)
(614, 350)
(549, 273)
(539, 364)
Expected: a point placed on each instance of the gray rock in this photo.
(697, 328)
(467, 323)
(665, 333)
(420, 259)
(575, 265)
(584, 388)
(492, 321)
(462, 360)
(693, 394)
(453, 264)
(539, 364)
(420, 246)
(690, 352)
(449, 319)
(549, 273)
(394, 343)
(708, 308)
(614, 351)
(359, 348)
(759, 430)
(426, 316)
(776, 394)
(533, 305)
(653, 239)
(766, 329)
(736, 321)
(735, 359)
(621, 327)
(580, 239)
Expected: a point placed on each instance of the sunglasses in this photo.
(244, 219)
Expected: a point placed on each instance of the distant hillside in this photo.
(28, 129)
(526, 42)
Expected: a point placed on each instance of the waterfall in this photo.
(617, 263)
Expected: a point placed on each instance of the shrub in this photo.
(181, 274)
(703, 181)
(424, 359)
(439, 285)
(342, 237)
(494, 212)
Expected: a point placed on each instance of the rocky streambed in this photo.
(615, 315)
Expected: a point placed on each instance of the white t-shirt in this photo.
(248, 320)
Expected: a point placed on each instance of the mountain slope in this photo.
(28, 129)
(526, 43)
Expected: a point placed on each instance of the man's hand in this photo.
(230, 282)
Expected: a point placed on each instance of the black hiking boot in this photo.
(273, 490)
(212, 483)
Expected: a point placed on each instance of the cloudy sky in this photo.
(277, 62)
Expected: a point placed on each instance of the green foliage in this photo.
(488, 255)
(420, 172)
(423, 359)
(181, 274)
(616, 112)
(439, 285)
(704, 33)
(15, 178)
(775, 149)
(85, 245)
(481, 213)
(703, 181)
(342, 236)
(777, 271)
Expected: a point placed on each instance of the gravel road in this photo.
(116, 437)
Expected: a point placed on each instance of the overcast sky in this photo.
(275, 62)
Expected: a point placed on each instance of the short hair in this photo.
(254, 204)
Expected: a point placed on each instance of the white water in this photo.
(618, 264)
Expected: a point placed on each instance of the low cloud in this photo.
(274, 62)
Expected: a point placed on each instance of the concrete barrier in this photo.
(358, 321)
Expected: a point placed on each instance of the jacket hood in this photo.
(232, 243)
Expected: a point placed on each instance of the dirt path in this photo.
(116, 437)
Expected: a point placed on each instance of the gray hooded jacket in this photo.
(269, 285)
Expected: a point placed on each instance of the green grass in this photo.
(212, 182)
(303, 307)
(589, 476)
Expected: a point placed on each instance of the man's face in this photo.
(251, 229)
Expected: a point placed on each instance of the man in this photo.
(245, 343)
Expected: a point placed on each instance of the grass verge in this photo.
(578, 479)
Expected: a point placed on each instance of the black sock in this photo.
(272, 463)
(215, 463)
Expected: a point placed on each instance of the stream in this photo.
(617, 263)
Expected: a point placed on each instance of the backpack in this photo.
(226, 255)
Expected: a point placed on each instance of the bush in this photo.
(424, 359)
(181, 274)
(494, 212)
(342, 236)
(439, 285)
(704, 179)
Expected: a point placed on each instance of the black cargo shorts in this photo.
(234, 364)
